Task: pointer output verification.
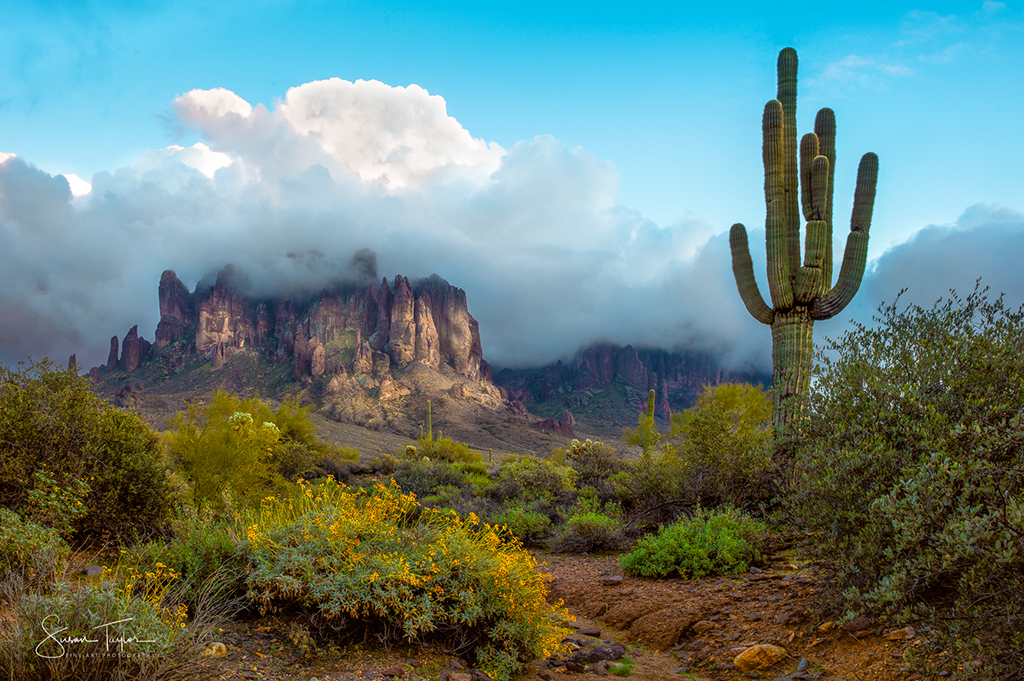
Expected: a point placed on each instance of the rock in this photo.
(612, 581)
(702, 626)
(177, 312)
(112, 356)
(216, 649)
(426, 350)
(127, 398)
(94, 374)
(575, 667)
(826, 627)
(663, 628)
(217, 357)
(73, 365)
(317, 357)
(362, 359)
(92, 570)
(789, 617)
(597, 653)
(904, 634)
(858, 624)
(587, 631)
(401, 345)
(759, 656)
(392, 672)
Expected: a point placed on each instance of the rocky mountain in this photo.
(582, 384)
(346, 329)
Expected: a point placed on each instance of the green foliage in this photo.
(237, 451)
(595, 463)
(709, 543)
(592, 526)
(55, 506)
(530, 478)
(646, 433)
(205, 554)
(159, 642)
(624, 666)
(912, 473)
(424, 476)
(723, 444)
(50, 420)
(377, 563)
(527, 525)
(28, 550)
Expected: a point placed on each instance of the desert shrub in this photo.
(709, 543)
(377, 564)
(235, 450)
(51, 420)
(530, 478)
(591, 526)
(595, 463)
(159, 641)
(529, 526)
(422, 477)
(723, 445)
(204, 553)
(911, 474)
(29, 551)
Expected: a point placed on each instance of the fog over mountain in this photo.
(534, 233)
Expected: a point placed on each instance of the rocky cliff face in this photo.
(676, 377)
(348, 329)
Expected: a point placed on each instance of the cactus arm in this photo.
(808, 152)
(856, 255)
(743, 270)
(825, 130)
(787, 68)
(777, 236)
(650, 404)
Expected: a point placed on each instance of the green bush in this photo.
(723, 445)
(204, 552)
(29, 551)
(527, 525)
(529, 478)
(237, 451)
(595, 464)
(160, 641)
(422, 477)
(51, 420)
(378, 564)
(911, 474)
(709, 543)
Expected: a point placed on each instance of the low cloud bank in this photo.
(534, 234)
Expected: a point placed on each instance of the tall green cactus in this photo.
(800, 294)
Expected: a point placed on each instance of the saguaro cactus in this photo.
(800, 294)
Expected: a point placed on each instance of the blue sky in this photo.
(647, 115)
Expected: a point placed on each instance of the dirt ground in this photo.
(669, 628)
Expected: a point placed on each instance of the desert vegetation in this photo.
(905, 485)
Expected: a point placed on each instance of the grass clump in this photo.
(709, 543)
(377, 564)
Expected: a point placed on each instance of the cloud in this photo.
(535, 234)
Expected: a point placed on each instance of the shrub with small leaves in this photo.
(709, 543)
(530, 479)
(527, 525)
(377, 563)
(28, 550)
(911, 474)
(592, 526)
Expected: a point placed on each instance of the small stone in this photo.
(803, 664)
(545, 675)
(216, 649)
(755, 570)
(827, 627)
(904, 634)
(587, 631)
(574, 667)
(392, 672)
(702, 626)
(92, 570)
(858, 624)
(758, 656)
(612, 581)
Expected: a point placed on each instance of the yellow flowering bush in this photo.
(377, 561)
